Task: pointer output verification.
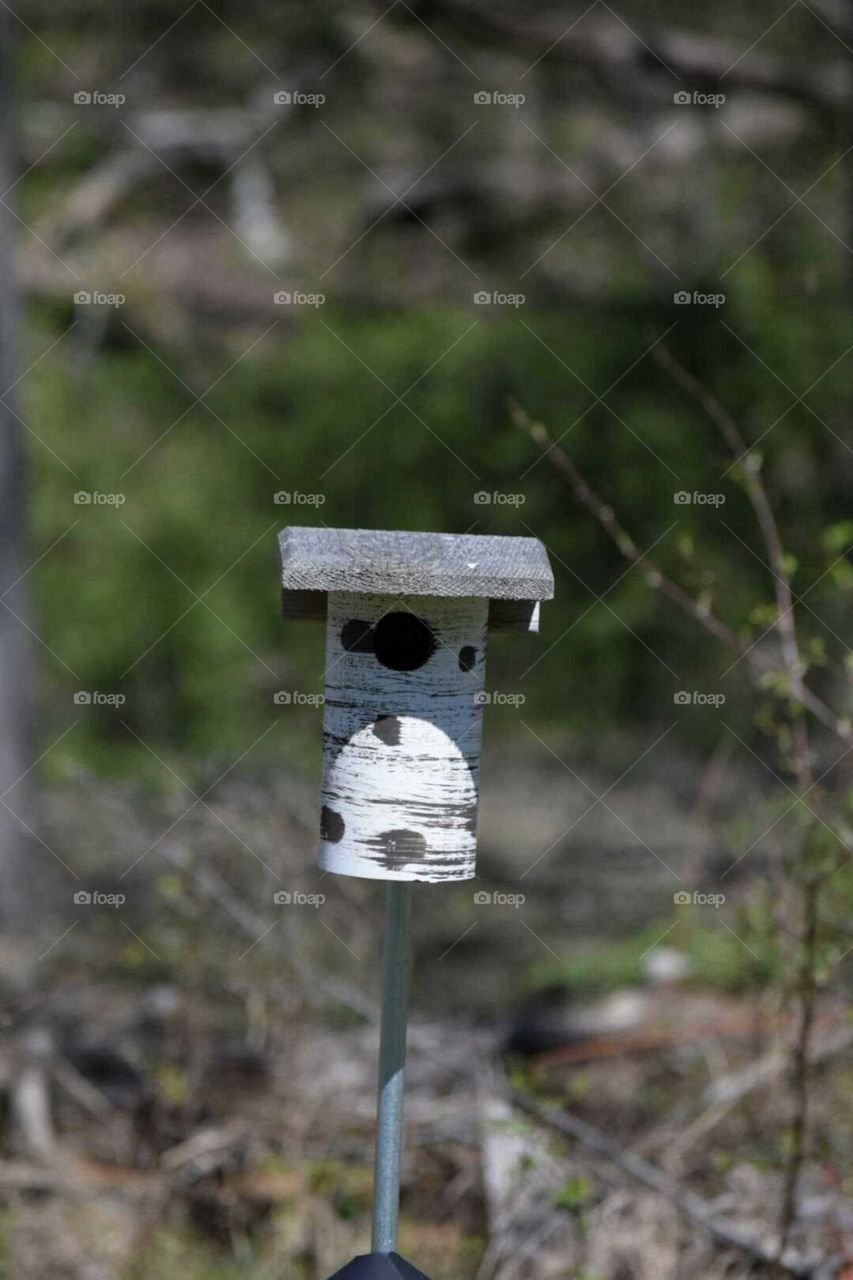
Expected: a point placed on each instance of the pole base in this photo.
(379, 1266)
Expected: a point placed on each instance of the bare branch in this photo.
(758, 662)
(721, 1228)
(760, 503)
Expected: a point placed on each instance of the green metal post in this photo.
(392, 1059)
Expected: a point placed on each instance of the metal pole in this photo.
(392, 1059)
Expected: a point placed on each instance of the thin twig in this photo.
(721, 1228)
(801, 1074)
(805, 981)
(658, 580)
(757, 494)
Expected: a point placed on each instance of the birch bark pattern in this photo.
(401, 735)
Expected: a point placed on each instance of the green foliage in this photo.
(718, 957)
(174, 1252)
(117, 598)
(575, 1194)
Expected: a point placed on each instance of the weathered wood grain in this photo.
(399, 562)
(401, 736)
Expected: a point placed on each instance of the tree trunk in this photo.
(20, 854)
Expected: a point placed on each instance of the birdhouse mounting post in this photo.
(392, 1061)
(407, 617)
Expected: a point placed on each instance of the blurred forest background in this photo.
(582, 274)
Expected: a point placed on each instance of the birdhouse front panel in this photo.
(401, 735)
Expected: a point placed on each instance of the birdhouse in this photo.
(407, 617)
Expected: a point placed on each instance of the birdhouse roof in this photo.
(424, 564)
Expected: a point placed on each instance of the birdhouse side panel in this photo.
(401, 736)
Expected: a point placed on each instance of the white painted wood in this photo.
(401, 748)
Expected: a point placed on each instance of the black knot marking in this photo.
(397, 847)
(357, 636)
(332, 825)
(387, 730)
(467, 657)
